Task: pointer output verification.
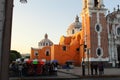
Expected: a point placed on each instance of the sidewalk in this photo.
(77, 71)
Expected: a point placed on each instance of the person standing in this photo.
(101, 68)
(96, 67)
(20, 67)
(83, 68)
(92, 66)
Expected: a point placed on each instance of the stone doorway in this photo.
(118, 52)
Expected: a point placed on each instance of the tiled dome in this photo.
(74, 27)
(45, 42)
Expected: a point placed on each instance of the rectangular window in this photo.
(78, 49)
(47, 53)
(96, 3)
(64, 48)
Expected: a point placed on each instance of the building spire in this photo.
(77, 18)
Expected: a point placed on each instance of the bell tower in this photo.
(93, 3)
(94, 27)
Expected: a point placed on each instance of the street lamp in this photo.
(88, 52)
(23, 1)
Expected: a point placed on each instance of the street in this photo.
(75, 74)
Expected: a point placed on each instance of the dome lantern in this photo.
(46, 36)
(77, 18)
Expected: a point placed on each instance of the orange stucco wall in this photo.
(73, 50)
(41, 53)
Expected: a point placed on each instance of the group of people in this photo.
(29, 69)
(95, 67)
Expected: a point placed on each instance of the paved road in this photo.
(76, 74)
(59, 76)
(66, 76)
(107, 71)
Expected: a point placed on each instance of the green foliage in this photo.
(14, 55)
(27, 57)
(18, 55)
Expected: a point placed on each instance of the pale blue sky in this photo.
(32, 20)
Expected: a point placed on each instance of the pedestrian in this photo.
(101, 68)
(83, 68)
(67, 66)
(20, 67)
(25, 69)
(55, 68)
(92, 66)
(96, 67)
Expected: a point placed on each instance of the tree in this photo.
(14, 55)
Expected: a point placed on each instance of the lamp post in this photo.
(6, 11)
(23, 1)
(88, 52)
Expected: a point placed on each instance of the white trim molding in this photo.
(97, 59)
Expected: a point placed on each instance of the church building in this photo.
(95, 39)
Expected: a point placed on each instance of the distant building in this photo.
(96, 38)
(113, 26)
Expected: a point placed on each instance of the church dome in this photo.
(45, 42)
(74, 27)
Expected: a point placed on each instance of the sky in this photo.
(33, 20)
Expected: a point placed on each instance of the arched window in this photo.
(118, 31)
(36, 53)
(73, 31)
(98, 28)
(64, 48)
(99, 52)
(47, 53)
(43, 44)
(96, 2)
(119, 20)
(46, 44)
(77, 49)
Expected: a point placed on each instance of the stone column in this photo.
(6, 40)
